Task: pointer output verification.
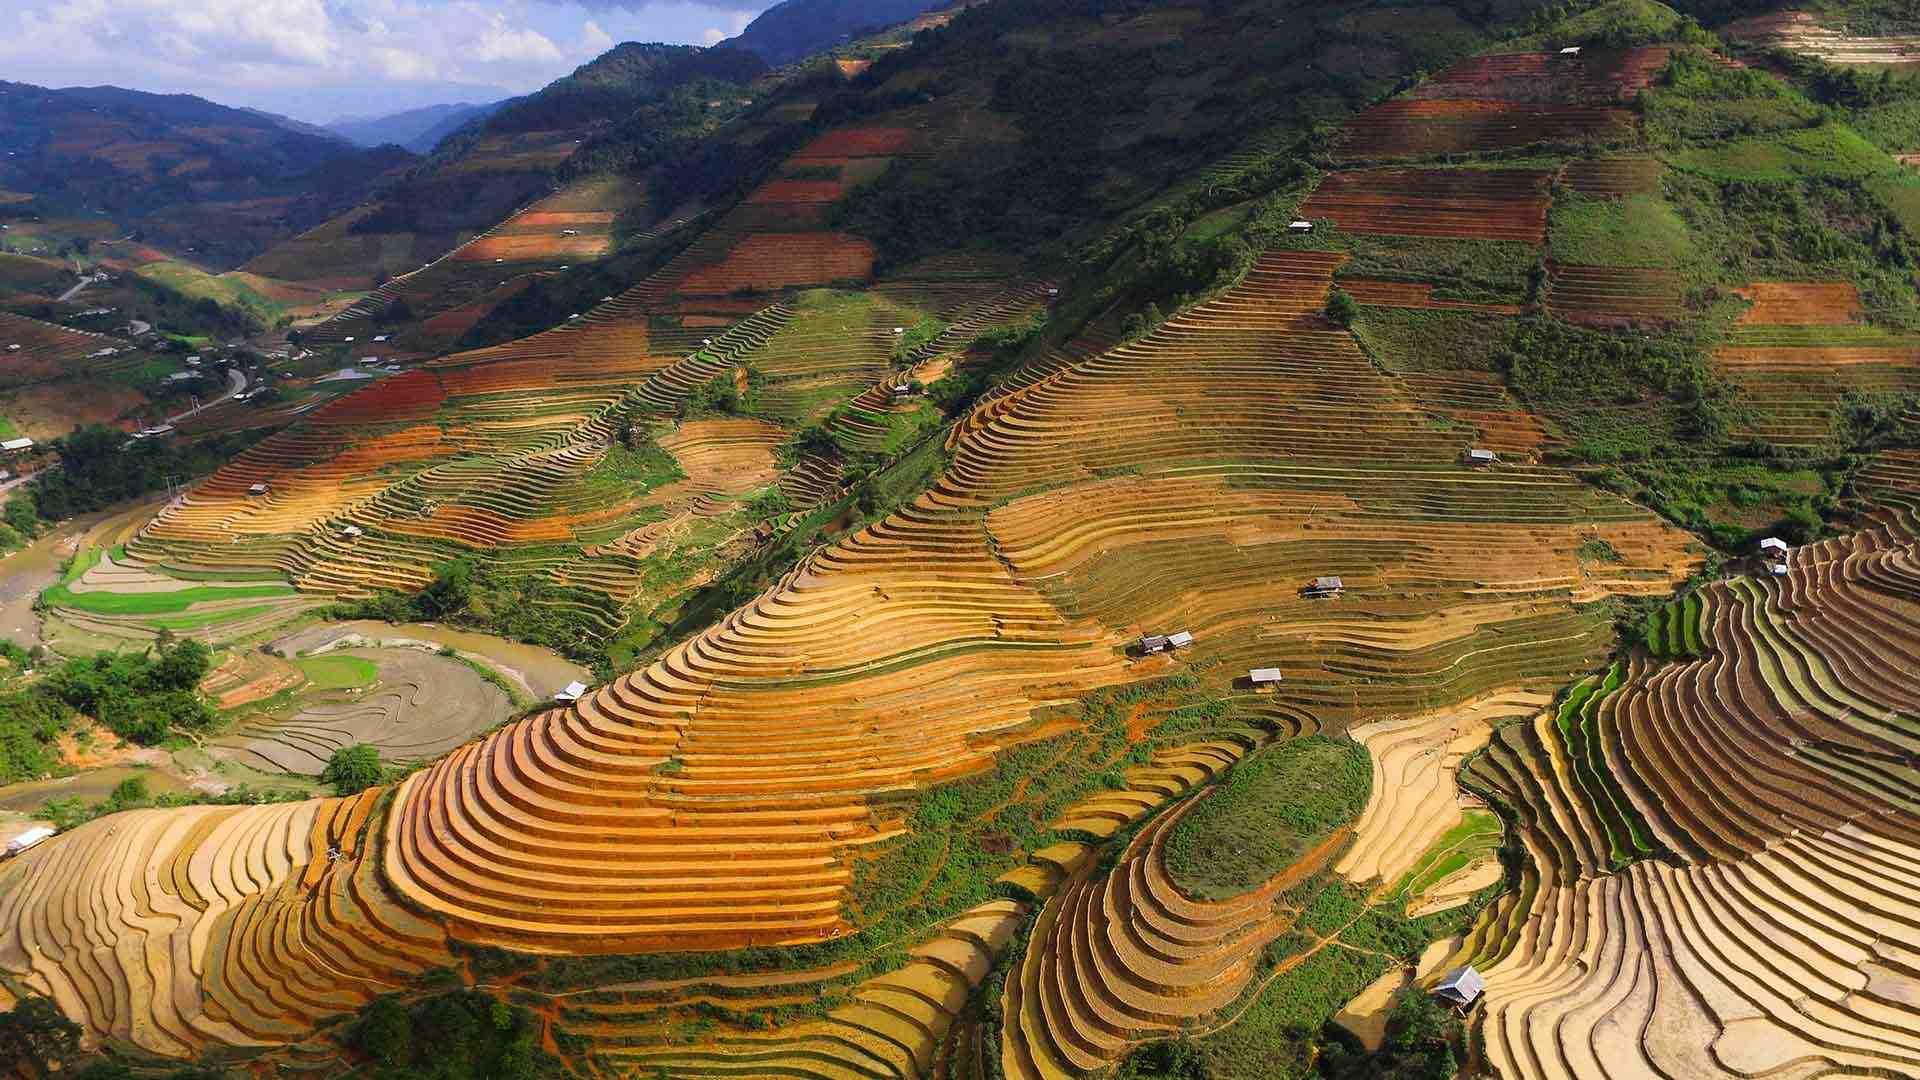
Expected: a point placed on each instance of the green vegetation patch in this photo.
(1412, 339)
(1621, 397)
(1672, 630)
(1639, 230)
(1478, 836)
(1480, 271)
(338, 672)
(1829, 151)
(155, 603)
(1272, 808)
(1698, 97)
(1735, 501)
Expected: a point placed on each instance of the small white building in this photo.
(1264, 676)
(380, 337)
(1478, 456)
(1462, 986)
(571, 692)
(1300, 225)
(1179, 639)
(1571, 50)
(1778, 569)
(258, 489)
(28, 839)
(1773, 545)
(17, 446)
(348, 532)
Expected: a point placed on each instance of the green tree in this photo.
(1341, 307)
(353, 769)
(36, 1038)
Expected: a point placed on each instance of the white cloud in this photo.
(317, 59)
(503, 43)
(593, 40)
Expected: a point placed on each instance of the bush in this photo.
(36, 1038)
(353, 769)
(1341, 307)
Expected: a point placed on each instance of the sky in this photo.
(321, 60)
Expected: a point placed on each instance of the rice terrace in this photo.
(1020, 540)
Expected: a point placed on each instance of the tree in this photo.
(451, 588)
(1341, 307)
(353, 769)
(36, 1038)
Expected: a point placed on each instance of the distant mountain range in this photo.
(182, 170)
(418, 130)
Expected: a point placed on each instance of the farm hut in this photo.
(1300, 226)
(1773, 545)
(1461, 987)
(899, 393)
(348, 532)
(258, 489)
(379, 338)
(1264, 676)
(1778, 569)
(1325, 586)
(1153, 643)
(13, 348)
(17, 446)
(1571, 50)
(1179, 640)
(1479, 456)
(571, 692)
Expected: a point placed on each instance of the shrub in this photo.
(1341, 307)
(353, 769)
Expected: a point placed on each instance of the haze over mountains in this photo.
(418, 130)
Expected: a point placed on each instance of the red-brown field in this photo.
(1614, 295)
(1472, 204)
(1612, 177)
(1406, 127)
(1801, 303)
(1592, 75)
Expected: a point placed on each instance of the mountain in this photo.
(418, 130)
(491, 166)
(175, 166)
(794, 29)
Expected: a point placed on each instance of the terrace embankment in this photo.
(1776, 936)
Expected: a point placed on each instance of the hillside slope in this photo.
(187, 171)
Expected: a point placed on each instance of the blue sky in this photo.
(318, 60)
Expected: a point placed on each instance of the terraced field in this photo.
(1778, 935)
(1801, 32)
(1800, 350)
(47, 351)
(1473, 204)
(1715, 853)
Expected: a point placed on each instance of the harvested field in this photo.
(1801, 32)
(1592, 75)
(248, 928)
(419, 707)
(1408, 127)
(1614, 295)
(929, 991)
(1415, 797)
(1471, 204)
(1792, 303)
(1800, 350)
